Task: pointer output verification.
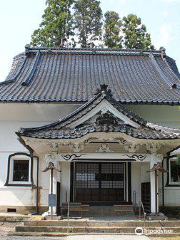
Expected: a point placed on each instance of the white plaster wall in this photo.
(35, 112)
(44, 181)
(145, 177)
(172, 196)
(159, 114)
(15, 116)
(65, 182)
(136, 180)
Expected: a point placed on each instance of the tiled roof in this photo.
(141, 133)
(73, 75)
(60, 129)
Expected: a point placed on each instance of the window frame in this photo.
(12, 181)
(10, 170)
(174, 158)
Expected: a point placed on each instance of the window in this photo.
(174, 171)
(21, 171)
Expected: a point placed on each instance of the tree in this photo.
(56, 25)
(135, 35)
(88, 21)
(112, 27)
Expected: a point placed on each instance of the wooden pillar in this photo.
(154, 187)
(53, 187)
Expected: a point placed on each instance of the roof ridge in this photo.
(162, 75)
(166, 62)
(13, 79)
(29, 78)
(162, 128)
(29, 49)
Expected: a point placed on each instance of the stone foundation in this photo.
(23, 209)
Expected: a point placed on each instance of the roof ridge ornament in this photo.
(163, 52)
(103, 89)
(27, 49)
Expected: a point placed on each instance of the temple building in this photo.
(107, 120)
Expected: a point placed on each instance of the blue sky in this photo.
(19, 18)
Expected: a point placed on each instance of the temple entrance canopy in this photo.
(103, 140)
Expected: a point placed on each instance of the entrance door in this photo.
(99, 182)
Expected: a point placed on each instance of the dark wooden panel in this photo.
(146, 196)
(58, 198)
(99, 182)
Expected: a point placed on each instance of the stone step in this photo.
(123, 206)
(115, 210)
(99, 211)
(91, 223)
(39, 234)
(55, 234)
(113, 213)
(76, 229)
(7, 217)
(109, 208)
(124, 210)
(89, 230)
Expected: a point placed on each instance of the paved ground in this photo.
(29, 238)
(107, 237)
(85, 237)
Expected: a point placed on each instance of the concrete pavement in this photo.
(107, 237)
(78, 237)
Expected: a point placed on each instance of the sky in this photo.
(19, 18)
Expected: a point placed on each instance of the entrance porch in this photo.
(105, 179)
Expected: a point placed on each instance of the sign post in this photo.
(52, 203)
(51, 197)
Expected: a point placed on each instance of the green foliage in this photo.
(112, 27)
(88, 21)
(62, 19)
(56, 24)
(135, 35)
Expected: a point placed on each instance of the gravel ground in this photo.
(28, 238)
(165, 238)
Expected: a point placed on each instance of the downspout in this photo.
(37, 185)
(163, 185)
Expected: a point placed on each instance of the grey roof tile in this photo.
(54, 75)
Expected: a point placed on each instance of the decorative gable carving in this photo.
(104, 148)
(106, 118)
